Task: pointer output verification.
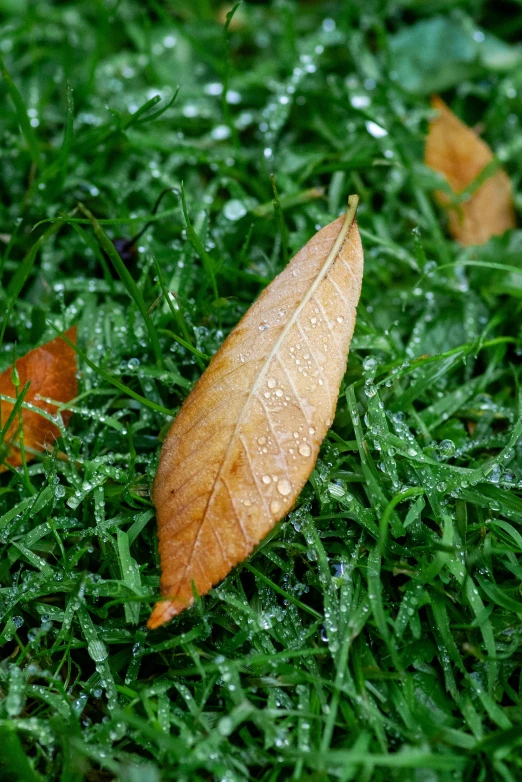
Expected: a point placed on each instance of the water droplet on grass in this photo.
(370, 364)
(446, 449)
(214, 88)
(360, 101)
(220, 132)
(375, 130)
(234, 209)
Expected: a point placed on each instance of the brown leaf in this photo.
(51, 369)
(458, 153)
(246, 439)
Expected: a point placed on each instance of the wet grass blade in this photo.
(127, 279)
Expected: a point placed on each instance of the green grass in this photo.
(376, 633)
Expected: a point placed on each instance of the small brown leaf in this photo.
(51, 369)
(458, 153)
(246, 439)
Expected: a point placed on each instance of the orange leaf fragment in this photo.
(51, 369)
(246, 439)
(458, 153)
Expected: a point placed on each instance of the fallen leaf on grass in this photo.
(246, 439)
(51, 369)
(458, 153)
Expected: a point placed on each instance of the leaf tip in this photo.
(163, 612)
(438, 103)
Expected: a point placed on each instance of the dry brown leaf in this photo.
(246, 439)
(51, 369)
(458, 153)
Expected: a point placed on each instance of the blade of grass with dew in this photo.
(127, 279)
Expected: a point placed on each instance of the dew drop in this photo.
(234, 209)
(284, 487)
(261, 440)
(266, 479)
(370, 364)
(340, 319)
(446, 449)
(220, 132)
(271, 382)
(304, 449)
(275, 506)
(375, 130)
(360, 101)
